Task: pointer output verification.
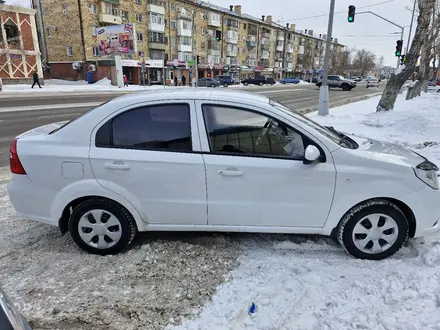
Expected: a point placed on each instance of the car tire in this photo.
(260, 84)
(225, 85)
(213, 85)
(245, 83)
(366, 219)
(123, 229)
(346, 87)
(319, 85)
(283, 82)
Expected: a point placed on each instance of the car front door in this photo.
(255, 170)
(150, 154)
(202, 82)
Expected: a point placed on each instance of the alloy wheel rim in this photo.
(375, 233)
(100, 229)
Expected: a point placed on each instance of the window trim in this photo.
(120, 112)
(306, 139)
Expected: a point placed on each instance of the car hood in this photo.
(387, 152)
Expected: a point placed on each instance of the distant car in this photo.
(182, 160)
(289, 80)
(372, 82)
(225, 81)
(433, 87)
(338, 82)
(208, 82)
(258, 80)
(10, 317)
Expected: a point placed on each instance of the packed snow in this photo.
(210, 281)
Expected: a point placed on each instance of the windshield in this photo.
(332, 135)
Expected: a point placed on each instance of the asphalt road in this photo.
(19, 113)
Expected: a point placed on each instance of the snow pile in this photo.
(304, 283)
(302, 82)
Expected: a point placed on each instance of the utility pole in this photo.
(411, 26)
(194, 70)
(323, 108)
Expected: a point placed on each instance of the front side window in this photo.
(164, 127)
(243, 132)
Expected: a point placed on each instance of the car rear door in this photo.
(150, 154)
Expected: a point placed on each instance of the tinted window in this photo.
(161, 127)
(239, 131)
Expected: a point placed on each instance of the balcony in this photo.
(301, 50)
(264, 63)
(265, 47)
(279, 57)
(264, 55)
(214, 20)
(266, 35)
(156, 23)
(280, 48)
(289, 49)
(280, 37)
(251, 62)
(253, 55)
(265, 41)
(184, 28)
(158, 44)
(184, 14)
(156, 9)
(232, 53)
(251, 44)
(109, 14)
(184, 48)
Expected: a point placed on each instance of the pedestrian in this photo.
(175, 81)
(183, 80)
(36, 79)
(125, 81)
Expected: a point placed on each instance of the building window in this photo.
(156, 54)
(12, 33)
(185, 40)
(173, 25)
(173, 41)
(203, 45)
(92, 9)
(232, 23)
(65, 9)
(173, 7)
(69, 51)
(124, 15)
(140, 36)
(157, 37)
(166, 24)
(95, 51)
(139, 18)
(157, 19)
(244, 26)
(203, 30)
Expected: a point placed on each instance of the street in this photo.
(21, 113)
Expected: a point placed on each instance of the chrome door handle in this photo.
(113, 166)
(230, 173)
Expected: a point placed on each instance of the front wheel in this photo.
(246, 83)
(213, 86)
(373, 230)
(283, 82)
(346, 87)
(102, 226)
(225, 85)
(260, 84)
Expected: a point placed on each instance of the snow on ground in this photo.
(311, 284)
(297, 282)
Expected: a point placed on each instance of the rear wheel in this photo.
(102, 226)
(260, 83)
(245, 83)
(213, 85)
(283, 82)
(225, 85)
(373, 230)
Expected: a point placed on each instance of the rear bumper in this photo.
(425, 205)
(31, 201)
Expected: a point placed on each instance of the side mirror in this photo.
(311, 154)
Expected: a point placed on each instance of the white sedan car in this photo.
(193, 160)
(372, 82)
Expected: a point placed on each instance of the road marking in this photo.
(60, 115)
(50, 106)
(279, 91)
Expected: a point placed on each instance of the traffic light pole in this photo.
(387, 20)
(323, 108)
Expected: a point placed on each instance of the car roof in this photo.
(189, 93)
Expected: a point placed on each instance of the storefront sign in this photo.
(148, 63)
(180, 64)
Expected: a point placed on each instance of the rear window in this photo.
(76, 118)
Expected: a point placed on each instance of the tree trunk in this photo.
(398, 78)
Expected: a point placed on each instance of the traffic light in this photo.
(399, 47)
(198, 59)
(402, 59)
(351, 13)
(218, 35)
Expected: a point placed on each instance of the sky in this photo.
(367, 31)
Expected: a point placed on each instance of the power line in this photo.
(338, 12)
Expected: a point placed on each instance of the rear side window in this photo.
(165, 127)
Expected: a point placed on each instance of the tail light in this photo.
(14, 161)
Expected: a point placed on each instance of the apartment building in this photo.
(167, 35)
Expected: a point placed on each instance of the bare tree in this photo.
(398, 78)
(364, 61)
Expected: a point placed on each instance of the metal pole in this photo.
(411, 26)
(323, 109)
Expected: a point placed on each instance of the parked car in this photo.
(183, 160)
(290, 80)
(258, 80)
(208, 82)
(10, 317)
(433, 87)
(372, 82)
(338, 82)
(225, 81)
